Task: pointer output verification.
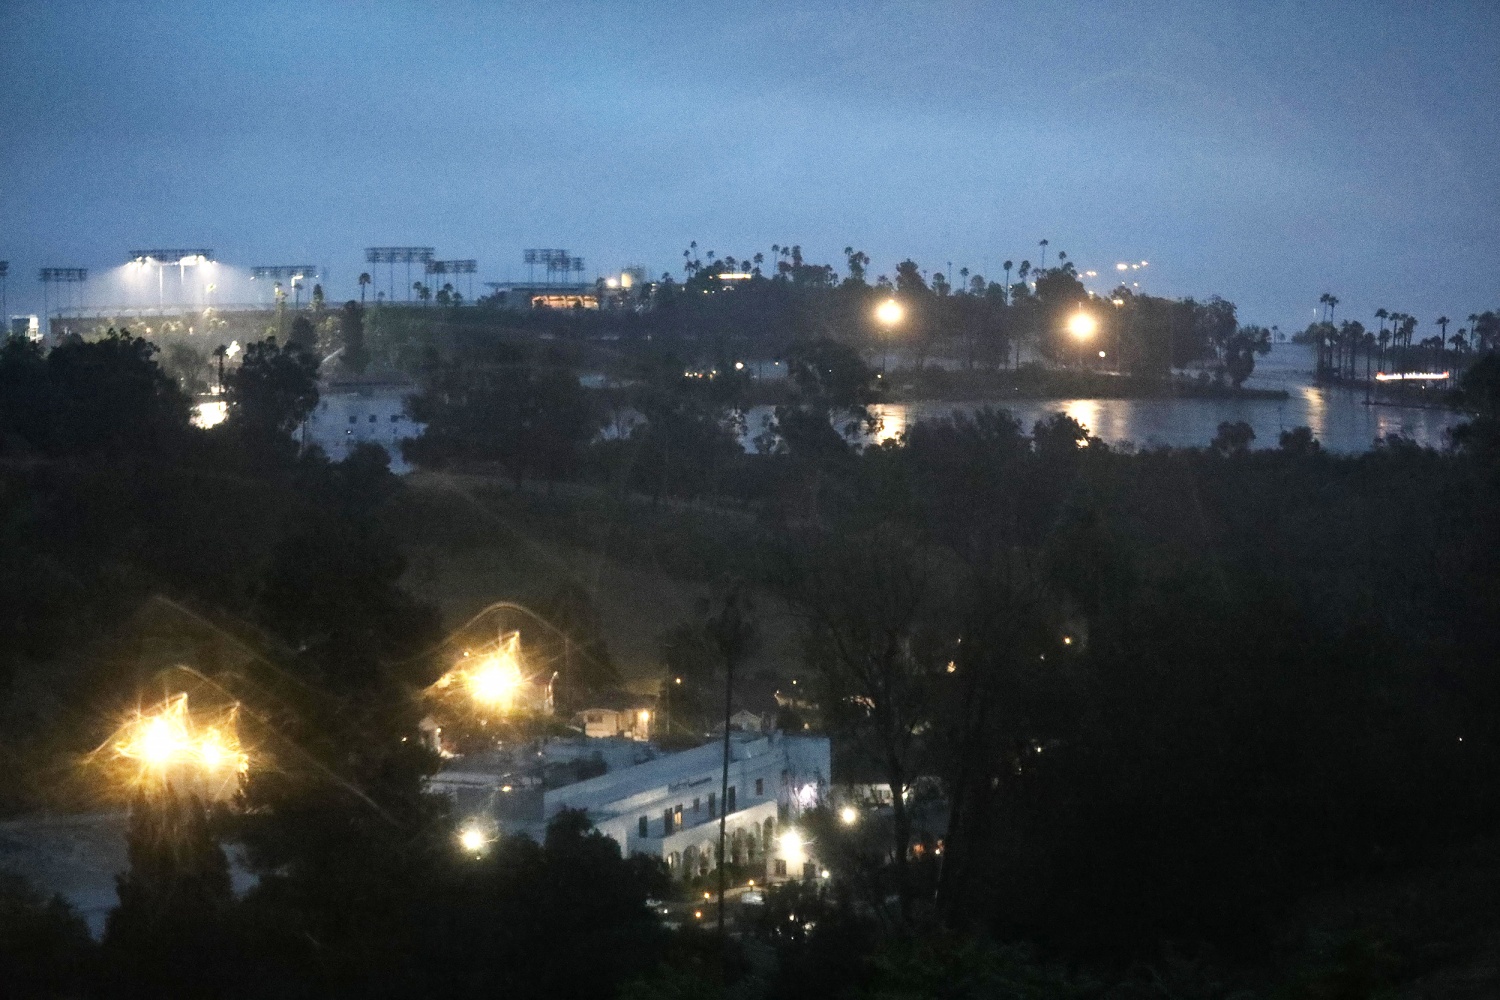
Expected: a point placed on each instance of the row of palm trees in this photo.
(1339, 347)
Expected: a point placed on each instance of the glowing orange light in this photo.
(168, 739)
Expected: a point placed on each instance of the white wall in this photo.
(347, 418)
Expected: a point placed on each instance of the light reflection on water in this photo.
(1338, 417)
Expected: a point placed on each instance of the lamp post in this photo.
(1082, 326)
(888, 313)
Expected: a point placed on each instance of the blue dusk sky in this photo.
(1262, 151)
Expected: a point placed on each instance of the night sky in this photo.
(1263, 151)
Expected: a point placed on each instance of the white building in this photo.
(669, 806)
(351, 412)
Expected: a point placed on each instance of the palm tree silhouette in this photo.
(1442, 322)
(364, 282)
(1043, 245)
(1007, 282)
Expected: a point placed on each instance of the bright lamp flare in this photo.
(889, 312)
(472, 839)
(169, 739)
(492, 680)
(1082, 325)
(496, 681)
(791, 844)
(848, 815)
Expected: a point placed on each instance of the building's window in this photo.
(666, 823)
(781, 866)
(645, 826)
(352, 418)
(760, 787)
(395, 417)
(696, 804)
(372, 418)
(713, 801)
(729, 800)
(677, 814)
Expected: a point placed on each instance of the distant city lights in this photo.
(1412, 376)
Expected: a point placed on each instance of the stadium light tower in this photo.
(455, 267)
(293, 274)
(49, 276)
(163, 257)
(399, 255)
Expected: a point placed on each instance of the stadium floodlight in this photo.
(162, 257)
(399, 255)
(182, 256)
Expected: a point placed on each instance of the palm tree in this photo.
(1043, 265)
(1382, 314)
(1442, 322)
(759, 258)
(1007, 282)
(364, 282)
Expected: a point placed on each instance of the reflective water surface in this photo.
(1340, 419)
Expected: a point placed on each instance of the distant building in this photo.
(632, 722)
(668, 805)
(747, 721)
(355, 411)
(25, 326)
(544, 296)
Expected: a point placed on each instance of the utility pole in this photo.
(733, 632)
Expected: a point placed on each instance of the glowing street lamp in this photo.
(791, 845)
(888, 313)
(169, 742)
(1082, 325)
(492, 681)
(474, 839)
(848, 815)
